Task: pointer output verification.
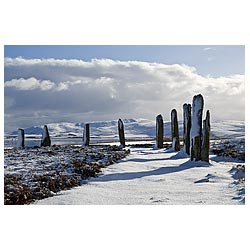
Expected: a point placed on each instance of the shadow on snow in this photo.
(144, 160)
(159, 171)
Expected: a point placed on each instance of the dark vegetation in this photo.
(37, 173)
(227, 148)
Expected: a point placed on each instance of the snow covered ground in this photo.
(158, 176)
(147, 175)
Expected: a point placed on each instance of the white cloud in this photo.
(30, 84)
(106, 89)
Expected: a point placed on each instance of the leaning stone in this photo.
(46, 142)
(121, 133)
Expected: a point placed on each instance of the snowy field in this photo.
(150, 176)
(146, 176)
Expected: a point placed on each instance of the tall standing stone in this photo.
(86, 135)
(206, 138)
(20, 138)
(196, 129)
(159, 131)
(175, 131)
(121, 133)
(186, 127)
(46, 142)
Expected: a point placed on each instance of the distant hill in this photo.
(139, 128)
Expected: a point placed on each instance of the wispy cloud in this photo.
(208, 48)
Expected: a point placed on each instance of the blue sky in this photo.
(220, 60)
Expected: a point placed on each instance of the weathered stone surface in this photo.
(159, 131)
(121, 133)
(196, 129)
(46, 142)
(206, 138)
(196, 148)
(20, 139)
(175, 131)
(86, 135)
(186, 127)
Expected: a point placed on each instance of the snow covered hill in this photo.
(134, 128)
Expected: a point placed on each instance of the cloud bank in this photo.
(51, 90)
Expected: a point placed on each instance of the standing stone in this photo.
(121, 133)
(46, 142)
(159, 131)
(20, 138)
(196, 129)
(186, 127)
(206, 138)
(175, 131)
(86, 135)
